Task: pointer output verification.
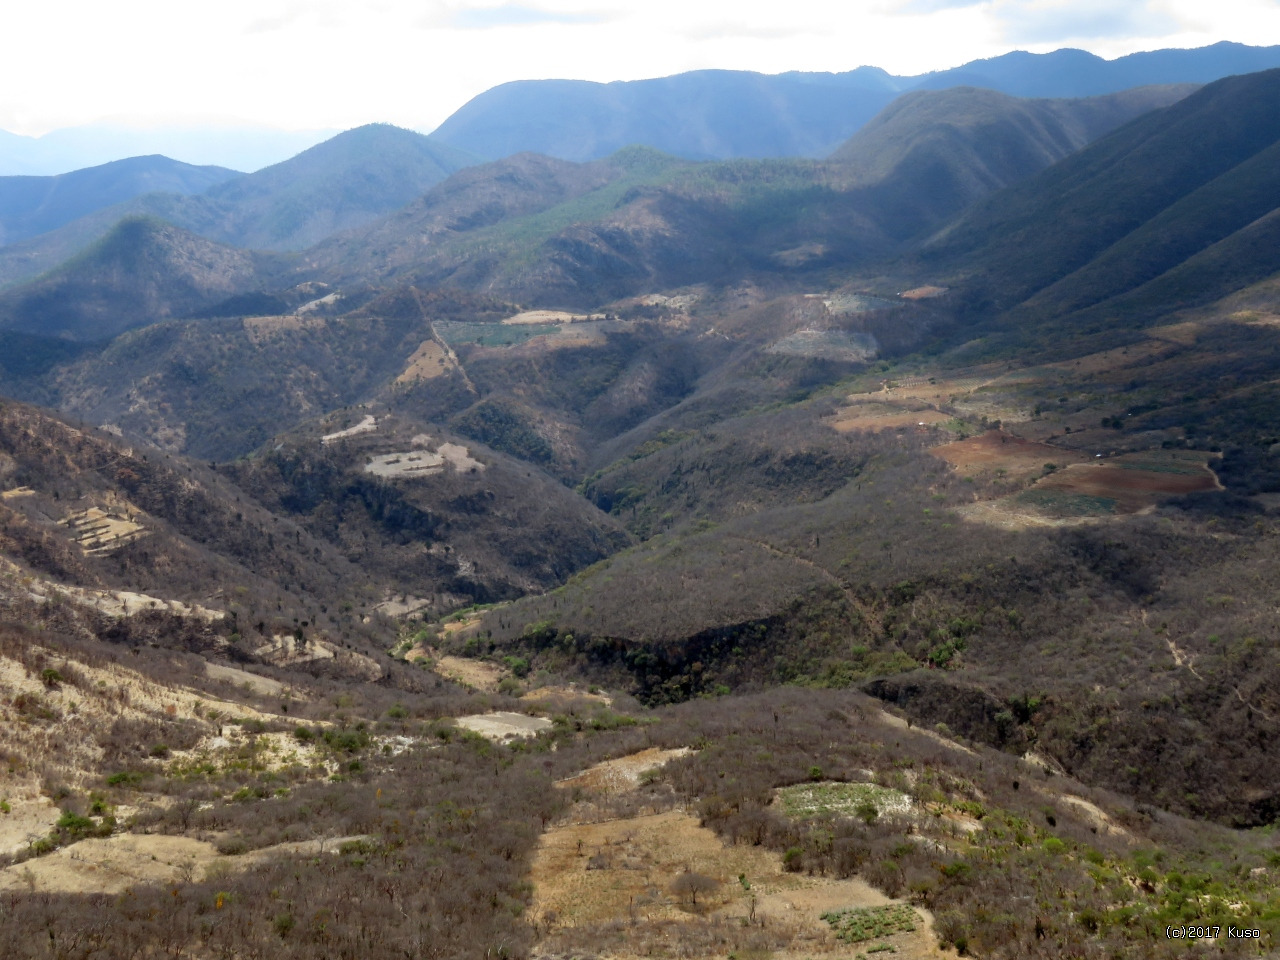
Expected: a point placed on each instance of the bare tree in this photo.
(690, 884)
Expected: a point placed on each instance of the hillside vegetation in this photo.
(655, 557)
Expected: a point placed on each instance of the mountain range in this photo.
(652, 551)
(720, 114)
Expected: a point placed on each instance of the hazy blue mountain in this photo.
(707, 114)
(35, 205)
(74, 148)
(1078, 73)
(719, 114)
(343, 183)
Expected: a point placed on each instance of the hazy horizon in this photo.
(326, 66)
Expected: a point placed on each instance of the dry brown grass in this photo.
(926, 292)
(1118, 358)
(884, 416)
(477, 674)
(622, 774)
(429, 361)
(114, 864)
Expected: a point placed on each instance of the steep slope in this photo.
(1129, 208)
(931, 154)
(538, 230)
(143, 271)
(87, 511)
(716, 115)
(35, 205)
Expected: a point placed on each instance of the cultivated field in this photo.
(1000, 452)
(101, 531)
(884, 416)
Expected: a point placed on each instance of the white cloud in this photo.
(312, 64)
(1063, 21)
(515, 15)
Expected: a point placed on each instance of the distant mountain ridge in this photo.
(722, 114)
(243, 148)
(345, 182)
(33, 205)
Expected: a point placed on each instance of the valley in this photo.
(653, 554)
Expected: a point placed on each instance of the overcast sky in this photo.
(314, 64)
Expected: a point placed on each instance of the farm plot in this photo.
(1092, 491)
(456, 332)
(1124, 484)
(828, 798)
(477, 674)
(623, 773)
(661, 885)
(1000, 452)
(502, 725)
(100, 532)
(535, 317)
(429, 361)
(884, 416)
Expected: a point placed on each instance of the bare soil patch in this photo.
(1091, 491)
(884, 416)
(256, 683)
(477, 674)
(367, 425)
(622, 774)
(429, 361)
(503, 725)
(114, 864)
(927, 292)
(608, 888)
(558, 698)
(25, 821)
(402, 607)
(422, 462)
(550, 316)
